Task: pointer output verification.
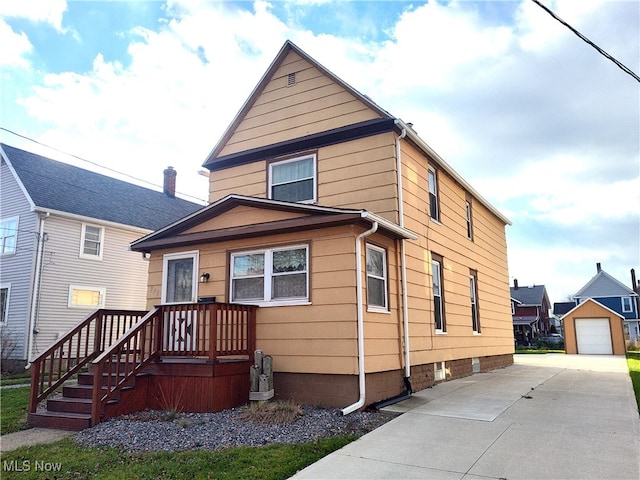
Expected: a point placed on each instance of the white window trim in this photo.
(384, 278)
(8, 219)
(194, 254)
(6, 313)
(102, 290)
(296, 159)
(435, 193)
(469, 218)
(473, 285)
(630, 300)
(268, 268)
(439, 331)
(82, 240)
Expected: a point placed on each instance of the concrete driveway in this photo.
(551, 416)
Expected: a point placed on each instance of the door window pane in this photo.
(180, 280)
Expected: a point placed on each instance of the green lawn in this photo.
(13, 409)
(633, 360)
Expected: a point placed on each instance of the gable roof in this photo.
(56, 186)
(386, 122)
(598, 304)
(604, 285)
(312, 217)
(534, 295)
(560, 308)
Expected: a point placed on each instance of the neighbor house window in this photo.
(92, 241)
(469, 219)
(434, 208)
(4, 301)
(179, 271)
(86, 297)
(438, 292)
(8, 235)
(473, 293)
(627, 305)
(271, 275)
(376, 277)
(293, 180)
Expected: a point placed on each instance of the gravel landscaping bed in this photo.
(159, 431)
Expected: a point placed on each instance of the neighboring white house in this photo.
(64, 237)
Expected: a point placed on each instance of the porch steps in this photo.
(71, 409)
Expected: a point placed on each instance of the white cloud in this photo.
(44, 11)
(15, 47)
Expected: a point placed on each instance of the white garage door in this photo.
(594, 336)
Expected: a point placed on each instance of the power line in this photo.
(96, 164)
(620, 65)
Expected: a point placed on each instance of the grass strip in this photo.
(14, 402)
(633, 361)
(67, 460)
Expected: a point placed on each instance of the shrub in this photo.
(276, 413)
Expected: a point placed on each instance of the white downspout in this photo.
(35, 294)
(360, 315)
(403, 266)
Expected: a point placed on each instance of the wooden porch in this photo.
(185, 357)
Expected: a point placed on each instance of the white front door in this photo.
(179, 277)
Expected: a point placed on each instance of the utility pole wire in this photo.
(620, 65)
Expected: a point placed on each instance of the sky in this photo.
(541, 124)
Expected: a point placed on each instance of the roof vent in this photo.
(291, 79)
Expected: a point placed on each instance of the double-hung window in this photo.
(271, 275)
(434, 207)
(469, 219)
(473, 293)
(8, 235)
(376, 278)
(438, 293)
(91, 242)
(626, 305)
(293, 180)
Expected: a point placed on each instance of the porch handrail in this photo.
(75, 349)
(115, 367)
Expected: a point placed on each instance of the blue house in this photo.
(616, 296)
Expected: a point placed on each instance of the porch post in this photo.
(213, 331)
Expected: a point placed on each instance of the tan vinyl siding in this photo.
(316, 338)
(17, 269)
(282, 112)
(122, 273)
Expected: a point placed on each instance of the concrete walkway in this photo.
(31, 436)
(551, 416)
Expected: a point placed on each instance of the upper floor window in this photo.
(473, 293)
(271, 275)
(8, 235)
(434, 207)
(627, 306)
(92, 241)
(376, 277)
(87, 297)
(438, 293)
(4, 301)
(469, 219)
(293, 180)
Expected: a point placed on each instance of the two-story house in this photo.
(530, 312)
(604, 317)
(64, 238)
(376, 268)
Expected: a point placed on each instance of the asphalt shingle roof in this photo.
(66, 188)
(529, 295)
(604, 285)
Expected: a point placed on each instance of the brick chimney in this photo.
(515, 283)
(169, 187)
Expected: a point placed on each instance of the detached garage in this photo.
(593, 329)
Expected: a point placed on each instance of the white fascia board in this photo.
(83, 218)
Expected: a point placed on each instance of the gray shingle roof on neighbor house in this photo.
(58, 186)
(604, 285)
(560, 308)
(529, 295)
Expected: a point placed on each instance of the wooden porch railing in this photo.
(76, 349)
(205, 330)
